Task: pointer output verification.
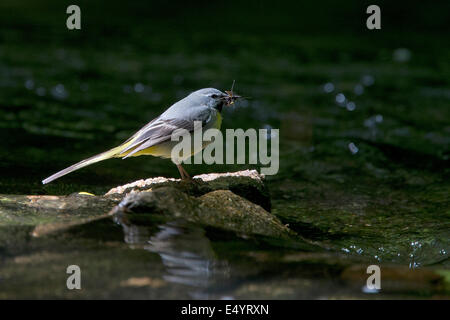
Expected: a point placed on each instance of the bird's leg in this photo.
(186, 175)
(183, 173)
(180, 170)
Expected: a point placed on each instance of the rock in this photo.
(248, 184)
(49, 214)
(223, 208)
(220, 208)
(34, 210)
(164, 200)
(237, 201)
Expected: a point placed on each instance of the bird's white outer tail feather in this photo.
(100, 157)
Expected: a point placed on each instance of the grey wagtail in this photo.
(154, 138)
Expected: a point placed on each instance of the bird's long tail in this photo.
(100, 157)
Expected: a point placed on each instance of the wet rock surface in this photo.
(47, 214)
(220, 208)
(248, 184)
(219, 200)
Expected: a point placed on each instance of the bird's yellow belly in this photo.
(161, 150)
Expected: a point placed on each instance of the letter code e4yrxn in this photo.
(246, 309)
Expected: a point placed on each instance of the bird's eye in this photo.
(214, 96)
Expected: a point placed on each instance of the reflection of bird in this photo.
(185, 251)
(154, 139)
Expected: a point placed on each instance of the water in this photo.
(364, 149)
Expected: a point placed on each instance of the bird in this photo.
(154, 138)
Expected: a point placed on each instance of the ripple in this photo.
(328, 87)
(353, 148)
(351, 106)
(59, 92)
(340, 98)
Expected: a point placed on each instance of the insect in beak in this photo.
(230, 98)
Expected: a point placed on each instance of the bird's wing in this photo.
(160, 130)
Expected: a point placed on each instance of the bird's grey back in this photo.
(190, 106)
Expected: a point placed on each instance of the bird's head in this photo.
(216, 98)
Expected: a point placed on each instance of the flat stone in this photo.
(248, 184)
